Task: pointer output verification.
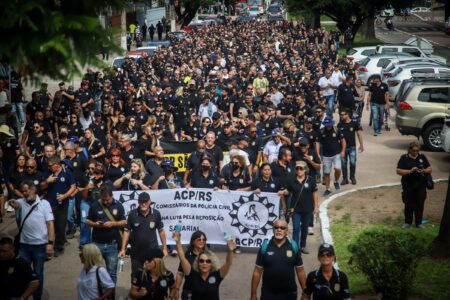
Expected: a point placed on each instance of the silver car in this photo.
(394, 63)
(371, 66)
(406, 72)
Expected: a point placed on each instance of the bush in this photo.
(388, 257)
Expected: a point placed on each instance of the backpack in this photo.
(265, 244)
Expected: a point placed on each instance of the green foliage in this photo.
(388, 257)
(55, 38)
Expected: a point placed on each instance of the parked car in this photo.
(254, 11)
(371, 66)
(422, 109)
(163, 44)
(274, 9)
(276, 18)
(177, 35)
(119, 60)
(245, 19)
(149, 50)
(415, 51)
(408, 71)
(445, 135)
(447, 26)
(359, 53)
(420, 10)
(386, 72)
(388, 11)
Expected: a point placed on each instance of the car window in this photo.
(412, 51)
(364, 62)
(444, 71)
(389, 50)
(353, 51)
(434, 95)
(369, 52)
(383, 62)
(420, 71)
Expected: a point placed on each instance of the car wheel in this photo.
(432, 137)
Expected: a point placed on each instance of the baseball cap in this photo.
(300, 163)
(168, 164)
(325, 247)
(143, 197)
(276, 131)
(303, 141)
(328, 122)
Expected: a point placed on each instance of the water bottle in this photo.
(424, 221)
(59, 201)
(121, 264)
(227, 237)
(178, 226)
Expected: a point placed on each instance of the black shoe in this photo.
(353, 179)
(58, 252)
(344, 182)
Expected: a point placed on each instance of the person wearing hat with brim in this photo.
(332, 145)
(169, 180)
(326, 282)
(143, 224)
(152, 280)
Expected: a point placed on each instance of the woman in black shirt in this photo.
(237, 179)
(135, 180)
(116, 165)
(205, 273)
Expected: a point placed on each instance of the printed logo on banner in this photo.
(253, 215)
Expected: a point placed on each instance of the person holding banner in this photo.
(196, 246)
(266, 183)
(135, 180)
(205, 274)
(205, 177)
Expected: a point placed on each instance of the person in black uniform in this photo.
(326, 283)
(413, 167)
(153, 280)
(308, 155)
(107, 217)
(265, 182)
(346, 93)
(278, 262)
(196, 246)
(17, 280)
(204, 177)
(205, 274)
(140, 232)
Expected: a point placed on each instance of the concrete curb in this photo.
(325, 221)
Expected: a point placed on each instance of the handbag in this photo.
(429, 183)
(17, 237)
(290, 211)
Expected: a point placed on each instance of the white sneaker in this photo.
(406, 226)
(310, 231)
(9, 208)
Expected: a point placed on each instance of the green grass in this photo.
(432, 279)
(325, 18)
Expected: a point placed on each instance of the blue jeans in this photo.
(330, 105)
(36, 255)
(377, 116)
(300, 223)
(109, 253)
(350, 155)
(85, 231)
(71, 214)
(17, 107)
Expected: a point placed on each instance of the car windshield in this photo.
(352, 51)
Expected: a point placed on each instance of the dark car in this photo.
(245, 19)
(275, 18)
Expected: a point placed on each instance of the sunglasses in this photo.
(115, 155)
(36, 127)
(30, 167)
(279, 227)
(300, 168)
(200, 240)
(326, 254)
(204, 261)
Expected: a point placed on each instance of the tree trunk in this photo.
(316, 19)
(368, 28)
(441, 245)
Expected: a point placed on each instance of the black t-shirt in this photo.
(199, 181)
(279, 264)
(16, 90)
(37, 144)
(96, 213)
(378, 93)
(414, 180)
(297, 155)
(346, 96)
(217, 153)
(205, 289)
(321, 289)
(349, 131)
(128, 186)
(113, 173)
(330, 141)
(190, 256)
(270, 186)
(282, 173)
(9, 148)
(156, 290)
(143, 230)
(242, 180)
(15, 276)
(304, 192)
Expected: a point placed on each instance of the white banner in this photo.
(246, 216)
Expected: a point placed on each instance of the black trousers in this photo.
(60, 215)
(266, 295)
(414, 200)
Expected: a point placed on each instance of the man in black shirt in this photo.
(36, 143)
(17, 280)
(140, 232)
(107, 217)
(346, 93)
(350, 129)
(278, 262)
(378, 100)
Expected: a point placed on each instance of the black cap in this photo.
(216, 116)
(303, 141)
(326, 248)
(143, 197)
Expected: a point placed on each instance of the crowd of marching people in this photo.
(259, 102)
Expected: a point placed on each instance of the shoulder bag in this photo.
(110, 217)
(17, 237)
(290, 211)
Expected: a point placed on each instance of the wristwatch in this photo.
(51, 243)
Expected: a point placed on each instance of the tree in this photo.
(187, 9)
(441, 245)
(55, 38)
